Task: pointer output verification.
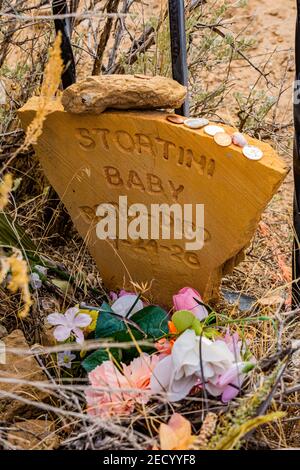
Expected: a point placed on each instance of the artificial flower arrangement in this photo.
(186, 354)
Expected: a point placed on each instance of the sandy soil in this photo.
(273, 27)
(267, 266)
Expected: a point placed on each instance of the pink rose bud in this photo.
(239, 140)
(185, 300)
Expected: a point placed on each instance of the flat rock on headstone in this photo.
(91, 160)
(95, 94)
(33, 434)
(18, 367)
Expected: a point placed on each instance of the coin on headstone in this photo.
(212, 130)
(196, 123)
(175, 119)
(252, 152)
(239, 140)
(223, 139)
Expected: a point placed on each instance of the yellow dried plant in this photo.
(5, 188)
(15, 264)
(50, 85)
(207, 429)
(17, 267)
(49, 88)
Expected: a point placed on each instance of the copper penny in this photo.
(176, 119)
(223, 139)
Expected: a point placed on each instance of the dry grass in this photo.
(264, 274)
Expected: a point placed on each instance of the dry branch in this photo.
(112, 7)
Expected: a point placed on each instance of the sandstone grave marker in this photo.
(93, 159)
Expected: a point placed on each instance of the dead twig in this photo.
(241, 54)
(112, 7)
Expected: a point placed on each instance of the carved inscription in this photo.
(149, 183)
(146, 145)
(150, 247)
(89, 215)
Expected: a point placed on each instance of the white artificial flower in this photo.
(179, 372)
(123, 304)
(64, 359)
(217, 359)
(70, 323)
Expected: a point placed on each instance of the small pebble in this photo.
(196, 123)
(239, 140)
(252, 153)
(213, 130)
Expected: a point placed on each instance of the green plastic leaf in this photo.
(183, 319)
(130, 353)
(98, 357)
(124, 336)
(153, 320)
(108, 324)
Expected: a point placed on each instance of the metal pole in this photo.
(178, 48)
(296, 252)
(60, 7)
(64, 25)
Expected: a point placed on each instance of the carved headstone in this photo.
(93, 159)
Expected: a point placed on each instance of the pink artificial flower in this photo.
(115, 393)
(69, 324)
(114, 296)
(105, 397)
(185, 300)
(138, 374)
(234, 344)
(124, 292)
(164, 347)
(231, 382)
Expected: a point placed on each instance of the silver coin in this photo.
(213, 130)
(252, 152)
(196, 123)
